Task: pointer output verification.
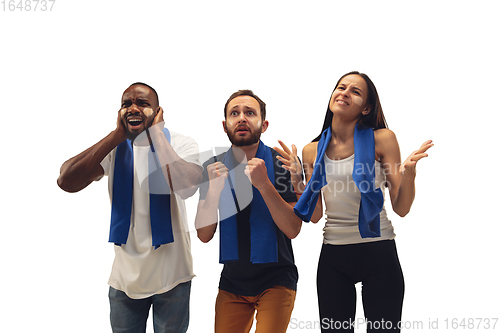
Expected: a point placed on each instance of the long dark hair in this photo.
(375, 119)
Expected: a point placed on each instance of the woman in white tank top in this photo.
(346, 257)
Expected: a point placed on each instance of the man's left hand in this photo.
(159, 117)
(256, 171)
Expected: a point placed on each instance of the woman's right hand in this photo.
(291, 163)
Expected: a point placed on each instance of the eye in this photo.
(250, 113)
(234, 113)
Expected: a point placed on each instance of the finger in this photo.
(282, 153)
(284, 161)
(418, 157)
(285, 148)
(159, 116)
(255, 161)
(294, 150)
(426, 145)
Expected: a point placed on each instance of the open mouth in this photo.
(242, 130)
(134, 122)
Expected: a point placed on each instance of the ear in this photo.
(367, 110)
(265, 125)
(224, 126)
(159, 110)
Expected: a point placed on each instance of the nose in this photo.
(242, 118)
(133, 108)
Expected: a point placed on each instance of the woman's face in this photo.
(350, 96)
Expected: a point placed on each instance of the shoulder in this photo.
(384, 137)
(384, 134)
(186, 147)
(385, 142)
(181, 139)
(309, 152)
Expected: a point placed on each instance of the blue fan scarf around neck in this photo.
(123, 187)
(263, 239)
(372, 199)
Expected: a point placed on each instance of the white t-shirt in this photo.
(342, 199)
(138, 269)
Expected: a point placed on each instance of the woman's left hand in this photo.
(409, 165)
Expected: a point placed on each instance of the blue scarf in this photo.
(123, 184)
(363, 174)
(263, 239)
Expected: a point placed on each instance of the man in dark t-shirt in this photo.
(250, 192)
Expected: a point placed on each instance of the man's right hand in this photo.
(120, 130)
(217, 174)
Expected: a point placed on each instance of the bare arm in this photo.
(400, 177)
(291, 163)
(183, 177)
(309, 156)
(81, 170)
(206, 216)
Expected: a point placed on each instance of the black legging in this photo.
(376, 266)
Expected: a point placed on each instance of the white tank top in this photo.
(342, 199)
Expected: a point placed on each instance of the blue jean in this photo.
(170, 311)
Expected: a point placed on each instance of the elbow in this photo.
(315, 219)
(191, 188)
(295, 232)
(204, 237)
(187, 193)
(65, 185)
(401, 212)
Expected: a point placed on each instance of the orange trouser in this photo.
(234, 314)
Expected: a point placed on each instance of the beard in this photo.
(132, 135)
(244, 141)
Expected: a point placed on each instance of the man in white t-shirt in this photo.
(153, 264)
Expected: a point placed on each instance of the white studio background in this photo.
(435, 65)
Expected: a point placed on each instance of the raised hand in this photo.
(409, 165)
(120, 124)
(158, 118)
(256, 172)
(217, 174)
(291, 163)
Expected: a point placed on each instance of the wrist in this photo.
(299, 187)
(118, 135)
(265, 186)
